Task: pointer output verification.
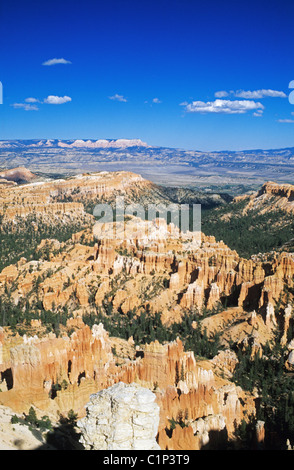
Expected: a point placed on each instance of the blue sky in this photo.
(210, 75)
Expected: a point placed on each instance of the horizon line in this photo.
(148, 145)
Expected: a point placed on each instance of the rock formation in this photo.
(18, 175)
(59, 374)
(153, 270)
(271, 196)
(122, 417)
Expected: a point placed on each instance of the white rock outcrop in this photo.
(122, 417)
(202, 427)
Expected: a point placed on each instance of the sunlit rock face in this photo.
(122, 417)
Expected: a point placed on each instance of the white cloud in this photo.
(117, 97)
(223, 106)
(286, 120)
(251, 95)
(259, 94)
(31, 100)
(221, 94)
(51, 99)
(258, 113)
(56, 61)
(25, 106)
(156, 100)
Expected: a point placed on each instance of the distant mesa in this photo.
(101, 143)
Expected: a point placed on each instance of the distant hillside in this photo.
(208, 200)
(162, 165)
(18, 175)
(257, 223)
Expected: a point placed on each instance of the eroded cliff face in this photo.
(152, 269)
(56, 204)
(42, 196)
(271, 196)
(59, 374)
(151, 265)
(155, 271)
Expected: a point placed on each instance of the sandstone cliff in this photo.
(83, 364)
(271, 196)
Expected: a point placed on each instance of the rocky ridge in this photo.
(65, 194)
(271, 196)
